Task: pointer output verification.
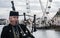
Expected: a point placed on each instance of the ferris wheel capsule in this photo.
(50, 0)
(49, 6)
(47, 12)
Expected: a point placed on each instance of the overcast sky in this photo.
(35, 7)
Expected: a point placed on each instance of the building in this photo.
(3, 21)
(56, 18)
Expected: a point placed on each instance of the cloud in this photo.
(35, 7)
(5, 3)
(57, 4)
(4, 12)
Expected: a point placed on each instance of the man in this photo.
(14, 29)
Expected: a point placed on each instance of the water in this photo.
(47, 34)
(44, 33)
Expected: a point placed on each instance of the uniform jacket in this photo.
(7, 32)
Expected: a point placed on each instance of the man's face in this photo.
(13, 20)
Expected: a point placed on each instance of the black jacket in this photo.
(7, 32)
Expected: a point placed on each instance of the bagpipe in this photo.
(25, 34)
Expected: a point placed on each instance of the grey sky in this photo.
(5, 7)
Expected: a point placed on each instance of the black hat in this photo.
(14, 13)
